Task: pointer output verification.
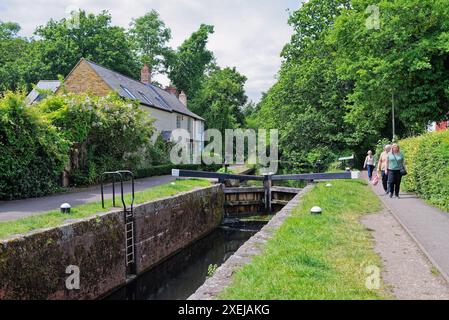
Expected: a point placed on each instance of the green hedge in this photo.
(167, 168)
(32, 152)
(427, 161)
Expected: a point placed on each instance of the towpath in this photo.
(13, 210)
(427, 225)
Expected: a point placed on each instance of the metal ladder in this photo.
(128, 215)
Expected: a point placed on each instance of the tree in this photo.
(63, 43)
(188, 64)
(8, 30)
(221, 98)
(407, 59)
(150, 37)
(10, 45)
(307, 102)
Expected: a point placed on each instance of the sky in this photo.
(249, 34)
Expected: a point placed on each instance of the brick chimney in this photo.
(145, 74)
(183, 98)
(172, 90)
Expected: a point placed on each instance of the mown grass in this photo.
(316, 257)
(55, 218)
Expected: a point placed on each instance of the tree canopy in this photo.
(221, 98)
(188, 64)
(341, 73)
(150, 36)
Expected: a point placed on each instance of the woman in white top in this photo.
(369, 164)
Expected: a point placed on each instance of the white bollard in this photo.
(65, 208)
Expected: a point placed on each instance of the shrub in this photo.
(106, 133)
(157, 153)
(33, 153)
(427, 161)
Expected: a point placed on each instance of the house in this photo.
(167, 107)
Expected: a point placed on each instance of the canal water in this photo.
(181, 275)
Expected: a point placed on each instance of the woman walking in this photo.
(382, 167)
(395, 170)
(369, 164)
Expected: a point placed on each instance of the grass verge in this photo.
(316, 257)
(55, 218)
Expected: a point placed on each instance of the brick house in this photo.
(167, 107)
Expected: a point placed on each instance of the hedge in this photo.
(32, 152)
(427, 161)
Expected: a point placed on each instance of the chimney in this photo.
(172, 90)
(183, 98)
(145, 74)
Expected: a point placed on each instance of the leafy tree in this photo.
(307, 102)
(150, 36)
(10, 63)
(62, 43)
(406, 59)
(189, 63)
(221, 98)
(8, 30)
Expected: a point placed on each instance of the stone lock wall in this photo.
(167, 226)
(34, 266)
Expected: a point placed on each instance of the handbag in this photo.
(403, 171)
(375, 181)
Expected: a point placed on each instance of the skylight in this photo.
(145, 97)
(128, 92)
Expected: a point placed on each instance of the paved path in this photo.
(427, 225)
(12, 210)
(406, 272)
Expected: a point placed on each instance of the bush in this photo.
(33, 153)
(157, 153)
(106, 133)
(427, 161)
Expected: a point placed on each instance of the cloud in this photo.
(249, 34)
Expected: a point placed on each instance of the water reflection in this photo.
(180, 276)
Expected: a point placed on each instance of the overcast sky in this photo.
(249, 34)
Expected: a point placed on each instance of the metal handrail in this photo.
(120, 174)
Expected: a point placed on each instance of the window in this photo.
(178, 122)
(189, 125)
(145, 98)
(128, 92)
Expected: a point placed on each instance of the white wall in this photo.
(166, 121)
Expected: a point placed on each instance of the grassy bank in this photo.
(316, 257)
(55, 218)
